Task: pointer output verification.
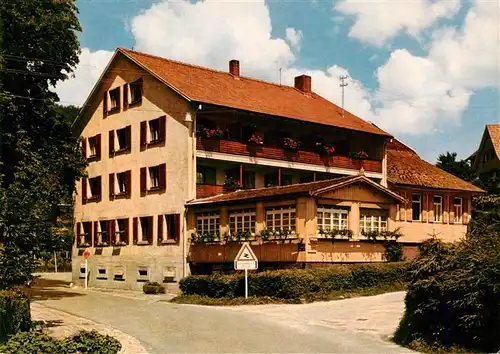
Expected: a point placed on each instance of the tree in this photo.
(40, 158)
(462, 169)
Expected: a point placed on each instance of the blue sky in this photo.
(423, 70)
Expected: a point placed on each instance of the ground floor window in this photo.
(438, 208)
(331, 218)
(458, 209)
(280, 218)
(208, 222)
(241, 221)
(373, 220)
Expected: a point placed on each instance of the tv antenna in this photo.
(343, 84)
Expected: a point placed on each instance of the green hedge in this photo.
(291, 284)
(83, 342)
(14, 313)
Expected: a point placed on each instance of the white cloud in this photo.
(75, 90)
(378, 21)
(211, 33)
(294, 37)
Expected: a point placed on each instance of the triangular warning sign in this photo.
(245, 253)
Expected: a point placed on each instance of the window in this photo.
(135, 90)
(373, 220)
(331, 218)
(458, 209)
(241, 221)
(248, 179)
(169, 228)
(121, 233)
(208, 222)
(416, 206)
(102, 238)
(94, 188)
(271, 179)
(84, 234)
(205, 175)
(94, 149)
(153, 131)
(112, 100)
(153, 178)
(146, 235)
(122, 182)
(120, 140)
(280, 218)
(286, 180)
(438, 208)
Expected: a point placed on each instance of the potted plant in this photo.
(291, 144)
(210, 133)
(232, 184)
(360, 155)
(325, 149)
(256, 139)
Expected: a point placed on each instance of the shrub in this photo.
(393, 251)
(14, 313)
(153, 288)
(82, 342)
(296, 283)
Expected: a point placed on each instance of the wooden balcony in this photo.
(275, 153)
(208, 190)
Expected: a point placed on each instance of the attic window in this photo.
(114, 100)
(135, 92)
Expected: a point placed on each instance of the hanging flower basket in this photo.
(256, 139)
(291, 144)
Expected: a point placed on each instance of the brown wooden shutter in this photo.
(126, 231)
(118, 101)
(162, 176)
(150, 229)
(143, 179)
(163, 125)
(135, 231)
(111, 142)
(99, 188)
(105, 104)
(84, 147)
(144, 133)
(465, 211)
(128, 135)
(177, 227)
(98, 146)
(111, 186)
(128, 182)
(96, 230)
(125, 96)
(160, 228)
(84, 190)
(89, 236)
(77, 233)
(111, 232)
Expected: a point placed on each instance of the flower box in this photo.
(291, 144)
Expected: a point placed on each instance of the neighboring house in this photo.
(185, 163)
(485, 162)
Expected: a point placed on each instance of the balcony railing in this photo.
(300, 156)
(208, 190)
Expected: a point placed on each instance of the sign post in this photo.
(245, 260)
(86, 255)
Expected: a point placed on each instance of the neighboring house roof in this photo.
(219, 88)
(494, 131)
(405, 167)
(311, 188)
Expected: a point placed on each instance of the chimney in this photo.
(303, 83)
(234, 67)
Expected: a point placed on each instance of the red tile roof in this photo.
(223, 89)
(311, 188)
(494, 131)
(405, 167)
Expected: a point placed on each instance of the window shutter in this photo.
(465, 211)
(163, 125)
(126, 231)
(143, 133)
(118, 101)
(111, 237)
(84, 147)
(98, 145)
(176, 232)
(160, 228)
(125, 96)
(77, 233)
(150, 229)
(96, 230)
(162, 176)
(134, 230)
(84, 190)
(143, 179)
(105, 104)
(128, 134)
(99, 188)
(128, 182)
(111, 186)
(89, 237)
(111, 142)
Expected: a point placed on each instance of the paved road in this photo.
(165, 328)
